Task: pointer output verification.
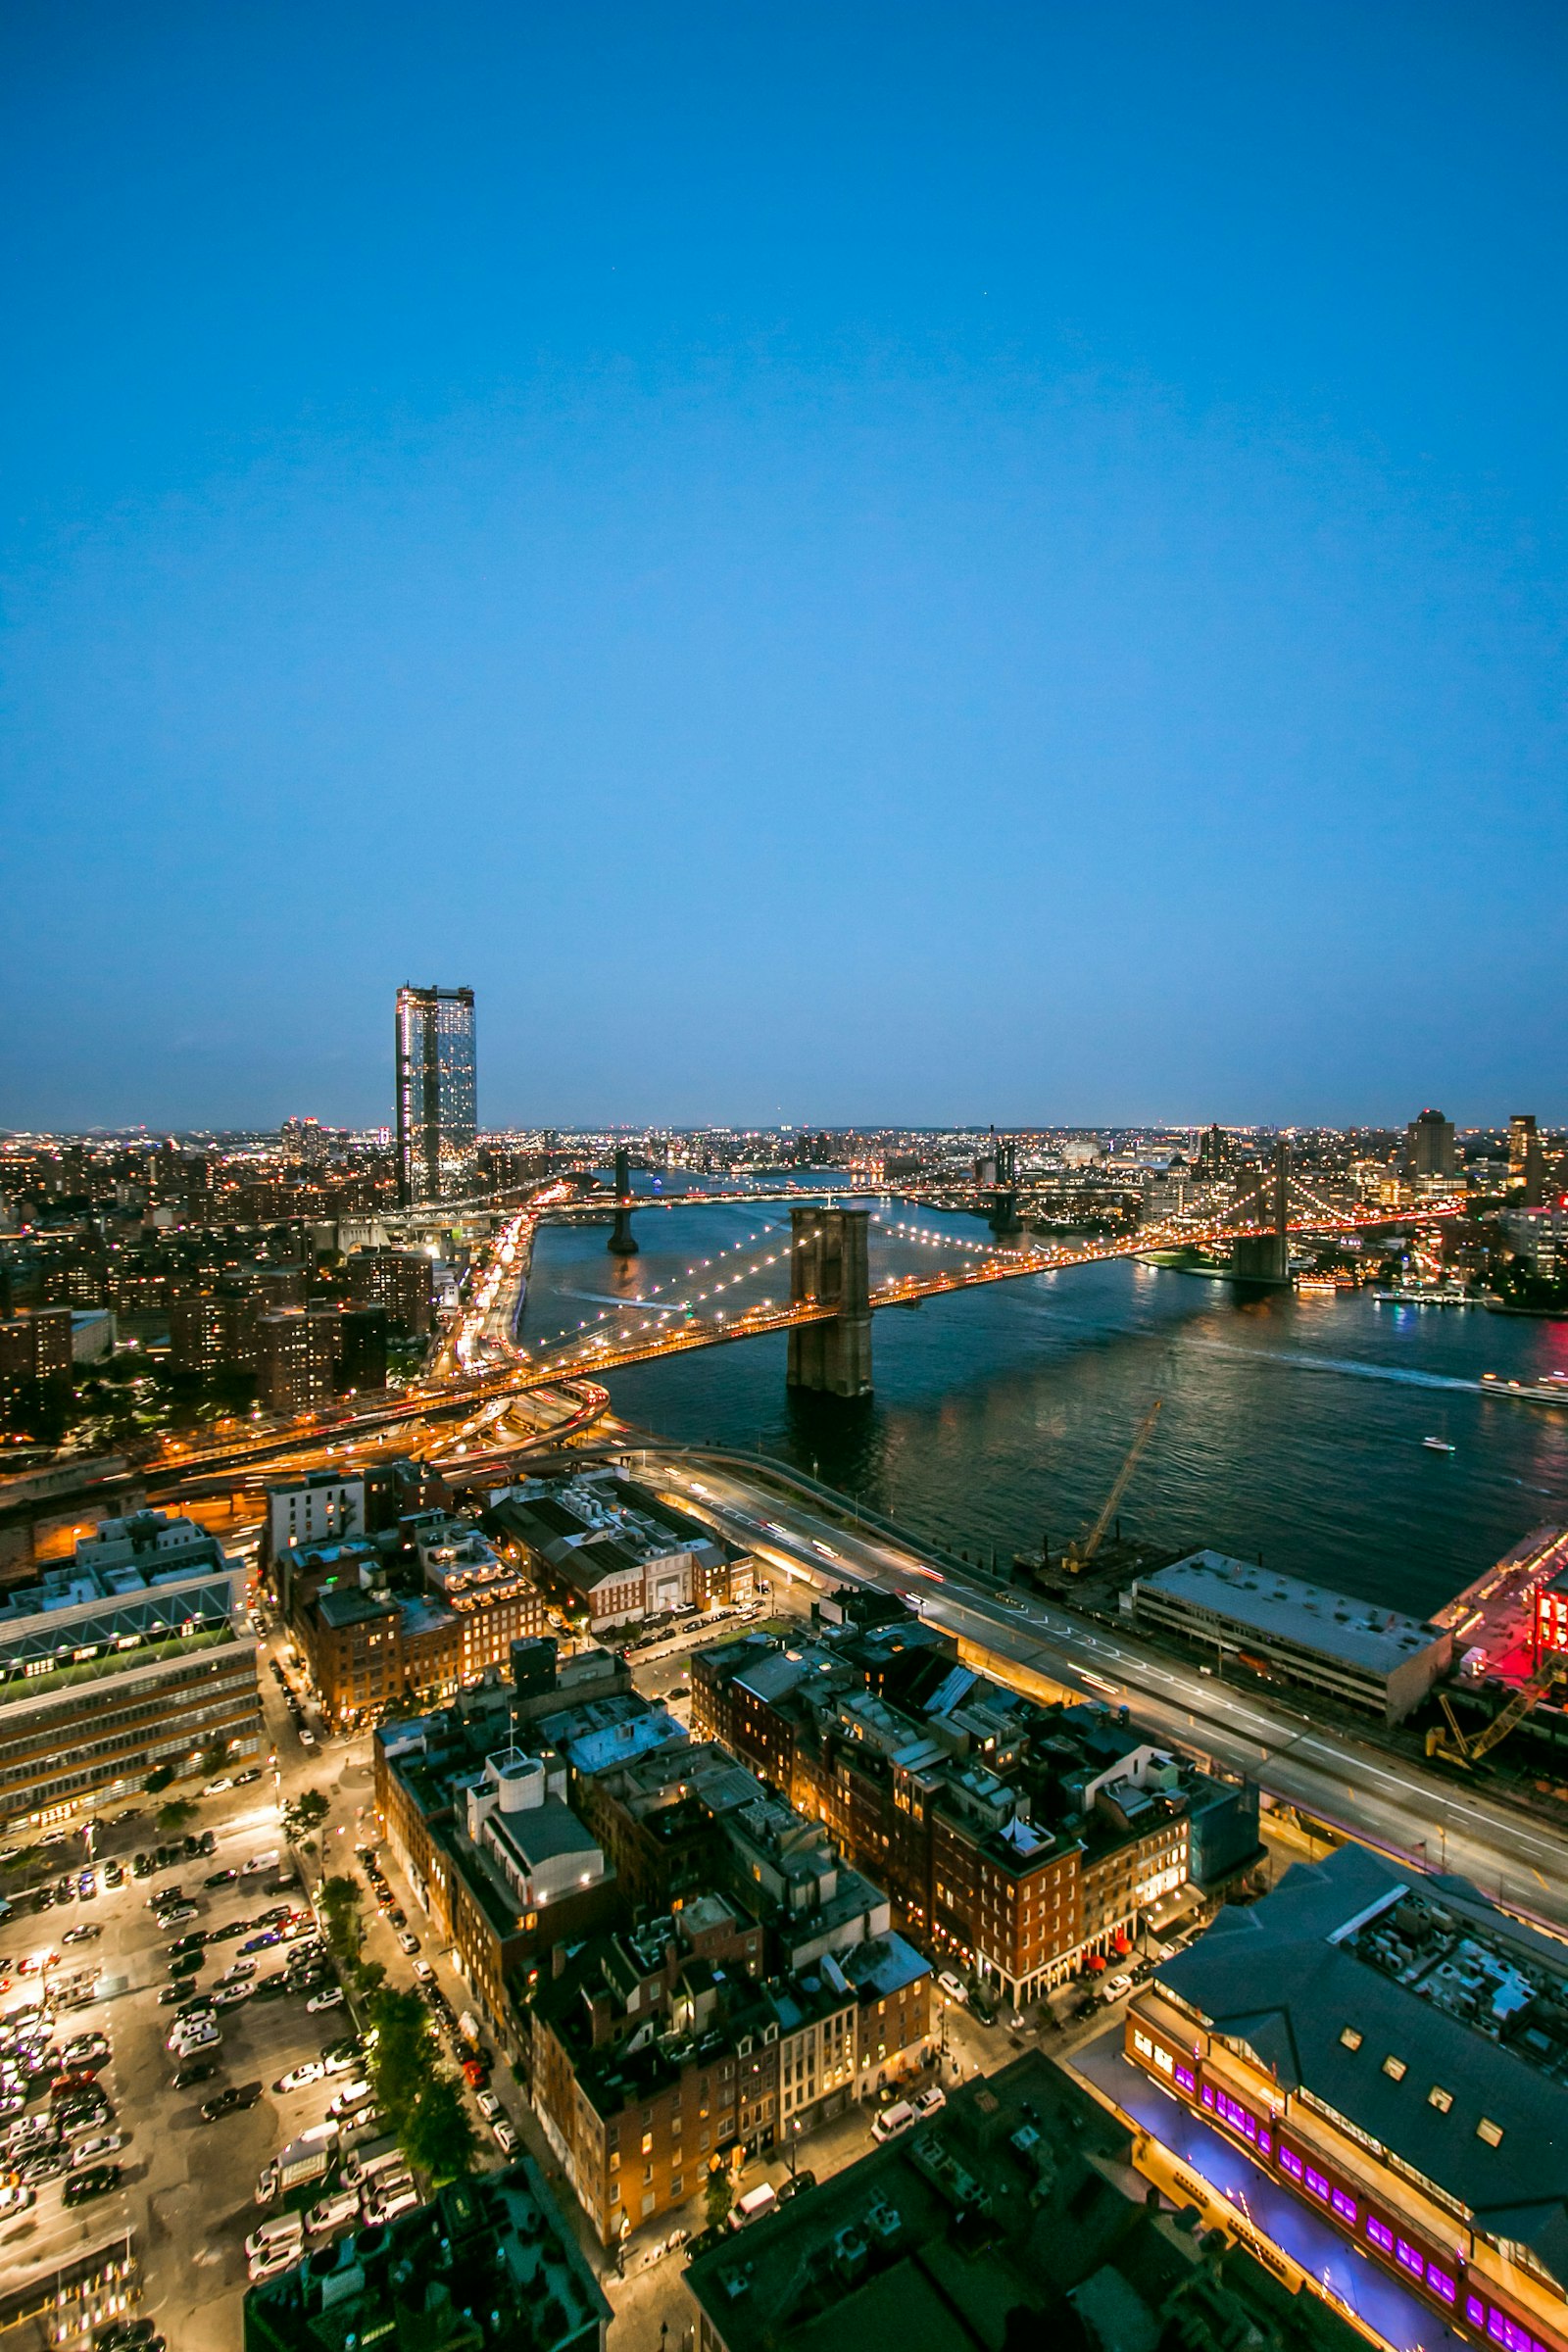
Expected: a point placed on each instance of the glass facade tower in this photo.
(437, 1102)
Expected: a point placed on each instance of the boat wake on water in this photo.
(1348, 1367)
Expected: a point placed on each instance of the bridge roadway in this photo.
(605, 1353)
(1401, 1806)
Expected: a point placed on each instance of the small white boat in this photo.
(1437, 1446)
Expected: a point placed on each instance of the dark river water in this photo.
(1290, 1427)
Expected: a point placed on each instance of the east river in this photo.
(1290, 1428)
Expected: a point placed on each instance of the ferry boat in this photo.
(1553, 1388)
(1316, 1286)
(1428, 1294)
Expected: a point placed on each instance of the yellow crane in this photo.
(1459, 1747)
(1077, 1559)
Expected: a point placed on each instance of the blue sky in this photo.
(835, 563)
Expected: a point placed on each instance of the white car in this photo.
(260, 1862)
(488, 2104)
(424, 1972)
(198, 2038)
(94, 2151)
(311, 2071)
(332, 1998)
(341, 2206)
(274, 2263)
(274, 2238)
(1117, 1988)
(927, 2101)
(219, 1788)
(892, 2120)
(953, 1987)
(506, 2138)
(352, 2095)
(381, 2210)
(307, 1735)
(16, 2199)
(407, 1941)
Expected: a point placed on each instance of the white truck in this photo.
(377, 2156)
(303, 2159)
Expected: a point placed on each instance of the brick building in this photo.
(1027, 1841)
(399, 1279)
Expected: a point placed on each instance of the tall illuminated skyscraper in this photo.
(437, 1100)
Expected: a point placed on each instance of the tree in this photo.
(402, 2056)
(173, 1816)
(309, 1807)
(720, 2195)
(338, 1901)
(420, 2098)
(158, 1780)
(439, 2139)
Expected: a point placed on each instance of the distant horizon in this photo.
(138, 1130)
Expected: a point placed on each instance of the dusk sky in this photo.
(836, 562)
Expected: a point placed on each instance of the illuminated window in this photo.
(1352, 2037)
(1439, 2098)
(1490, 2132)
(1394, 2069)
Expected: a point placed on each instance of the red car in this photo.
(476, 2073)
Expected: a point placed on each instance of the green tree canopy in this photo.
(338, 1901)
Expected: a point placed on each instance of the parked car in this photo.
(230, 2101)
(407, 1941)
(201, 2070)
(331, 1999)
(892, 2120)
(953, 1987)
(489, 2105)
(220, 1877)
(506, 2138)
(95, 2181)
(926, 2102)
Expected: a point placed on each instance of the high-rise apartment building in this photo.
(437, 1114)
(1521, 1135)
(1429, 1148)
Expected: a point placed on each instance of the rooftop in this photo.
(1433, 2022)
(957, 2238)
(490, 2262)
(1377, 1640)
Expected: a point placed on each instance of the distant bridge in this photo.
(827, 1315)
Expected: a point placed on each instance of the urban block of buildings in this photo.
(133, 1655)
(1028, 1841)
(685, 1969)
(488, 2266)
(1293, 1632)
(1013, 2218)
(611, 1552)
(368, 1647)
(1392, 2052)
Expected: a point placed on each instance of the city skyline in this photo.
(837, 566)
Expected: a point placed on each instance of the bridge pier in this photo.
(1266, 1257)
(1004, 1218)
(830, 1265)
(622, 1241)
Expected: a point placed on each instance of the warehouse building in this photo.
(1287, 1630)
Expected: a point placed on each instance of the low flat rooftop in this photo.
(1374, 1639)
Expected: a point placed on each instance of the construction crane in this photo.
(1458, 1746)
(1077, 1560)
